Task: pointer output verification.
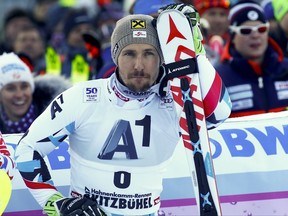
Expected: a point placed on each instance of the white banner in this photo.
(250, 162)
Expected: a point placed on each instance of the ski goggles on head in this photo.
(247, 30)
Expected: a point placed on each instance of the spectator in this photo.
(6, 161)
(72, 57)
(39, 14)
(30, 42)
(269, 13)
(280, 32)
(213, 51)
(23, 98)
(15, 20)
(106, 20)
(54, 25)
(216, 13)
(253, 66)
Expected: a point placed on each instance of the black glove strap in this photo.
(177, 69)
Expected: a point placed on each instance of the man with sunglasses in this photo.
(253, 66)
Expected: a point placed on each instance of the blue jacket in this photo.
(255, 89)
(281, 39)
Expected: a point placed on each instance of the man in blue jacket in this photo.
(253, 66)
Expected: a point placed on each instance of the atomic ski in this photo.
(176, 40)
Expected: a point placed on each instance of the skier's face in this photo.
(139, 66)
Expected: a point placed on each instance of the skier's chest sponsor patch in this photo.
(166, 103)
(91, 94)
(122, 201)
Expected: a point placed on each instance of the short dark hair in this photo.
(16, 12)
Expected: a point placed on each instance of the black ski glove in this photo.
(81, 206)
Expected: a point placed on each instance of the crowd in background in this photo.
(64, 42)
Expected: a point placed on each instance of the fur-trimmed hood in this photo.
(47, 87)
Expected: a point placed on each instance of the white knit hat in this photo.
(13, 69)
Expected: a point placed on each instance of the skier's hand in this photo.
(192, 14)
(187, 9)
(59, 205)
(50, 208)
(79, 206)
